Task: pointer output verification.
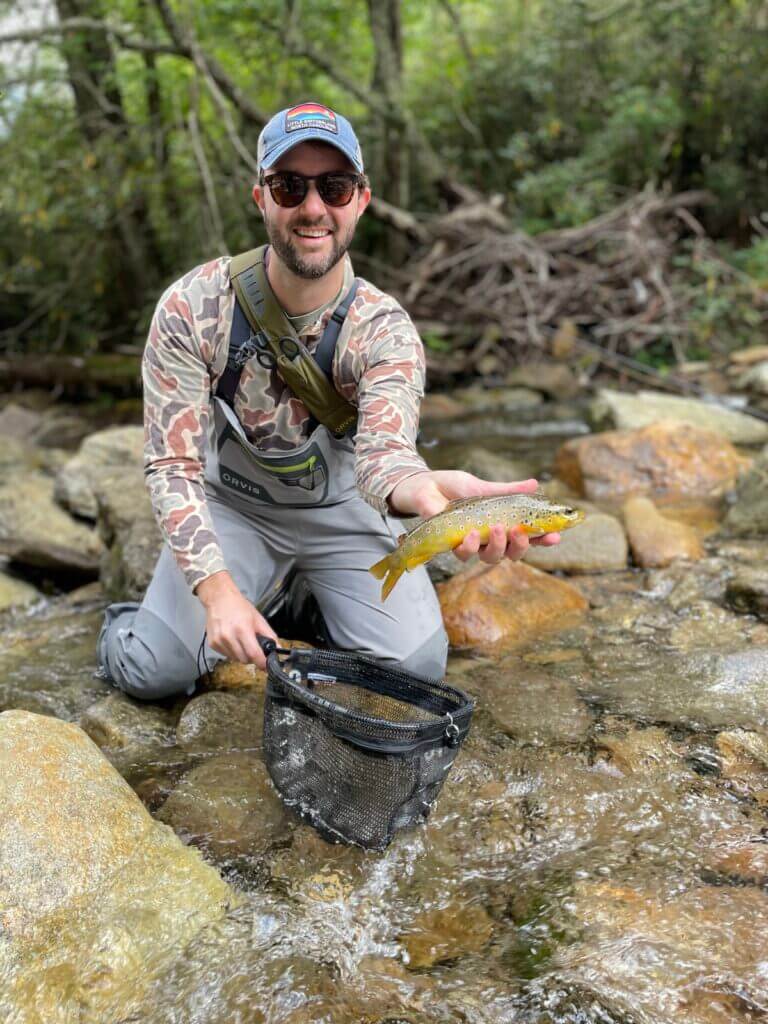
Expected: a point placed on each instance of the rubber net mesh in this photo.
(358, 750)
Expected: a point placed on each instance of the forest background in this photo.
(128, 131)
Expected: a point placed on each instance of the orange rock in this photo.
(667, 458)
(656, 540)
(505, 605)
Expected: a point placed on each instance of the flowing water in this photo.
(598, 854)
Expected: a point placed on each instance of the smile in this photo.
(312, 232)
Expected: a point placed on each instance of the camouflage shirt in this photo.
(378, 367)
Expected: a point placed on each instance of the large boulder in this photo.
(664, 459)
(748, 515)
(506, 606)
(94, 894)
(34, 530)
(631, 412)
(114, 448)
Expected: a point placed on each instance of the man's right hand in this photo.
(232, 622)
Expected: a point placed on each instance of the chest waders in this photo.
(321, 470)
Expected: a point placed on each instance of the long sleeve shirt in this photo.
(378, 366)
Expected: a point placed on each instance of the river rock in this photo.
(118, 723)
(598, 544)
(638, 750)
(440, 406)
(703, 689)
(744, 753)
(663, 459)
(93, 889)
(446, 934)
(222, 721)
(505, 606)
(657, 540)
(623, 411)
(130, 532)
(16, 593)
(531, 705)
(748, 515)
(747, 591)
(34, 530)
(664, 958)
(228, 806)
(116, 447)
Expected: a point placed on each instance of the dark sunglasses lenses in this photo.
(290, 189)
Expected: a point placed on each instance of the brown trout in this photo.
(534, 514)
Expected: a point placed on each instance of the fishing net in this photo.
(356, 749)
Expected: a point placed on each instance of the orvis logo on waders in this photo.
(295, 479)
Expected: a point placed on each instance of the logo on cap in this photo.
(310, 115)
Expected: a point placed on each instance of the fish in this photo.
(534, 514)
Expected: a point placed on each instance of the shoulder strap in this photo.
(310, 382)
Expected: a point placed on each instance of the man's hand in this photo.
(231, 621)
(426, 494)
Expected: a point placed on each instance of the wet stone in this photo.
(747, 592)
(222, 721)
(701, 689)
(638, 750)
(228, 807)
(531, 705)
(435, 936)
(119, 722)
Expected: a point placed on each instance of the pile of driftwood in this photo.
(609, 284)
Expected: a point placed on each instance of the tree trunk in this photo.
(390, 158)
(133, 255)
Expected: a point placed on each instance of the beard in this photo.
(282, 242)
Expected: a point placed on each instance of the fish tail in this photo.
(389, 569)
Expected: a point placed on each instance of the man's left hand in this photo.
(427, 494)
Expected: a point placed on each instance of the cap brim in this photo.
(307, 135)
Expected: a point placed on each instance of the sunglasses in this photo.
(289, 188)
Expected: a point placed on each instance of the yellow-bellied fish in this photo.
(534, 514)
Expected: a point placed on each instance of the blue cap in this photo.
(307, 122)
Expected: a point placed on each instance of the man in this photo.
(250, 489)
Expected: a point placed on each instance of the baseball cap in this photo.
(304, 123)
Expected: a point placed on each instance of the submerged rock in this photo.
(505, 606)
(446, 934)
(629, 412)
(228, 806)
(663, 459)
(95, 895)
(531, 705)
(657, 540)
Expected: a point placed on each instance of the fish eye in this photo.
(570, 511)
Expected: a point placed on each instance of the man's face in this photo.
(311, 238)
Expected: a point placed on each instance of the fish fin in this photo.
(381, 568)
(393, 576)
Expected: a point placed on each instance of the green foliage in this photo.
(563, 108)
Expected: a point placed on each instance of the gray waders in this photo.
(291, 515)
